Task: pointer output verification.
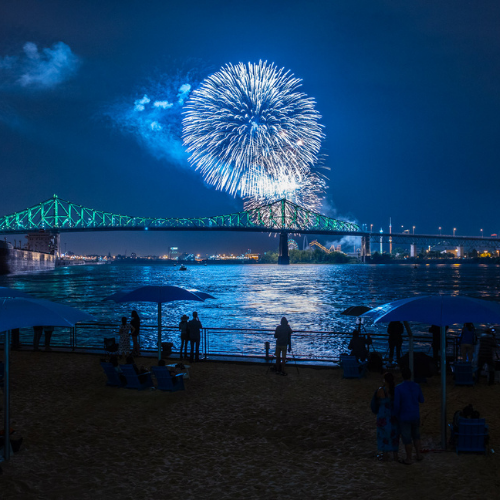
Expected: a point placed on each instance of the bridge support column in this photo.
(413, 250)
(283, 258)
(365, 248)
(460, 252)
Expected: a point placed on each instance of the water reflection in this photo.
(256, 296)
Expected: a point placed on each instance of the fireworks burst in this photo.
(307, 192)
(249, 131)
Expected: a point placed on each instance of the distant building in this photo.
(44, 242)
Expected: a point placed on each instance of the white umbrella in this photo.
(22, 312)
(437, 310)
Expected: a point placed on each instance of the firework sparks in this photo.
(306, 192)
(249, 131)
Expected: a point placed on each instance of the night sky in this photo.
(408, 93)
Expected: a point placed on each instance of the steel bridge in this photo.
(60, 216)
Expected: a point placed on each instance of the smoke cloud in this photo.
(39, 69)
(154, 115)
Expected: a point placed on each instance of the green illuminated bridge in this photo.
(59, 216)
(64, 217)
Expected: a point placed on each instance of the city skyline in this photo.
(408, 97)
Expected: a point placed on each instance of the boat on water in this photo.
(183, 268)
(40, 254)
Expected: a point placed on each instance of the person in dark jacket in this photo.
(183, 328)
(194, 327)
(283, 336)
(395, 331)
(136, 323)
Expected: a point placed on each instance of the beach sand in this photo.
(238, 431)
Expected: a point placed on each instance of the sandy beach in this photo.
(238, 431)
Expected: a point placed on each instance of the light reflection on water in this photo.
(256, 296)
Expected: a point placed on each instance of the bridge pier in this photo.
(413, 250)
(460, 252)
(283, 258)
(365, 248)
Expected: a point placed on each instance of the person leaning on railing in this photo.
(283, 336)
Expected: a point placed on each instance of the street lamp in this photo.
(482, 234)
(402, 228)
(454, 229)
(439, 231)
(413, 229)
(371, 228)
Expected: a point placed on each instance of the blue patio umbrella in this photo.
(440, 310)
(21, 312)
(158, 294)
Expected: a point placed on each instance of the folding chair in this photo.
(472, 435)
(165, 381)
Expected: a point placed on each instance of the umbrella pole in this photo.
(443, 387)
(159, 331)
(6, 392)
(410, 350)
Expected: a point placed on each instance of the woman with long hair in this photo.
(387, 423)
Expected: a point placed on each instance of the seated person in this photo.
(161, 362)
(139, 371)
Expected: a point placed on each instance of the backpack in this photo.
(374, 404)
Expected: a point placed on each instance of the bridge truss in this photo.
(63, 216)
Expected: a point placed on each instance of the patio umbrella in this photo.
(440, 310)
(158, 294)
(20, 312)
(355, 310)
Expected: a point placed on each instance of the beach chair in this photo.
(110, 346)
(113, 376)
(352, 368)
(464, 374)
(133, 379)
(165, 381)
(471, 435)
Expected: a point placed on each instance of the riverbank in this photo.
(238, 431)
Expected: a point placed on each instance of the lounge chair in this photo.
(352, 367)
(133, 379)
(165, 381)
(110, 345)
(471, 435)
(114, 379)
(464, 374)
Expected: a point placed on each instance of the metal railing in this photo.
(236, 342)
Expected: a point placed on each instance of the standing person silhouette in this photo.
(183, 327)
(395, 331)
(136, 324)
(283, 336)
(194, 327)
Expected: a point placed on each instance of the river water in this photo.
(257, 296)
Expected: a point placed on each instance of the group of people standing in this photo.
(127, 330)
(190, 332)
